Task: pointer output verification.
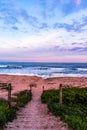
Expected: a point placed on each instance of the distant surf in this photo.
(10, 66)
(44, 69)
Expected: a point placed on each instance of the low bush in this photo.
(6, 114)
(22, 98)
(74, 108)
(50, 95)
(3, 102)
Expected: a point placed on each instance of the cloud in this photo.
(75, 26)
(14, 28)
(44, 26)
(75, 22)
(28, 18)
(69, 51)
(50, 8)
(77, 2)
(8, 12)
(10, 20)
(53, 7)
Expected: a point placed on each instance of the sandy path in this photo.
(35, 116)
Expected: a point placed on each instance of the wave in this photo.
(3, 66)
(50, 68)
(42, 68)
(82, 69)
(49, 75)
(57, 69)
(10, 66)
(63, 69)
(68, 75)
(73, 68)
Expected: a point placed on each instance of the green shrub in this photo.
(53, 107)
(22, 98)
(50, 95)
(3, 102)
(10, 113)
(75, 96)
(6, 115)
(74, 108)
(3, 119)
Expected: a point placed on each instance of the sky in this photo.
(43, 30)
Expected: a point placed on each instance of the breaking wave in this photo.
(10, 66)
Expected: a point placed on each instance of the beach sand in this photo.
(22, 82)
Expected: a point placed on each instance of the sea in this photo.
(45, 70)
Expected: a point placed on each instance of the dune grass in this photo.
(22, 98)
(74, 108)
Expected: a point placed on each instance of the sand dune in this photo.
(22, 82)
(35, 116)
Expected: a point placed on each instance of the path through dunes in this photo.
(35, 116)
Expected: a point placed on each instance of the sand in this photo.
(35, 115)
(22, 82)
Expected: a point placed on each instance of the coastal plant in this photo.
(50, 95)
(6, 114)
(7, 87)
(74, 107)
(3, 119)
(22, 98)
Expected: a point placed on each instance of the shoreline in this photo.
(27, 75)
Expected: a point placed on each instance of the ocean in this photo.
(44, 70)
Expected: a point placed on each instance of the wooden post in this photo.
(9, 94)
(43, 88)
(60, 95)
(30, 88)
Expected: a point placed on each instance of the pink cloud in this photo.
(77, 2)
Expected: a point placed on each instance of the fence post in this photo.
(60, 95)
(30, 88)
(9, 94)
(43, 88)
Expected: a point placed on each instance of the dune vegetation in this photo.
(74, 106)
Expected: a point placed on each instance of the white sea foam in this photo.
(68, 75)
(82, 69)
(49, 75)
(10, 66)
(3, 66)
(20, 74)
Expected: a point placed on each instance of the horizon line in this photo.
(43, 62)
